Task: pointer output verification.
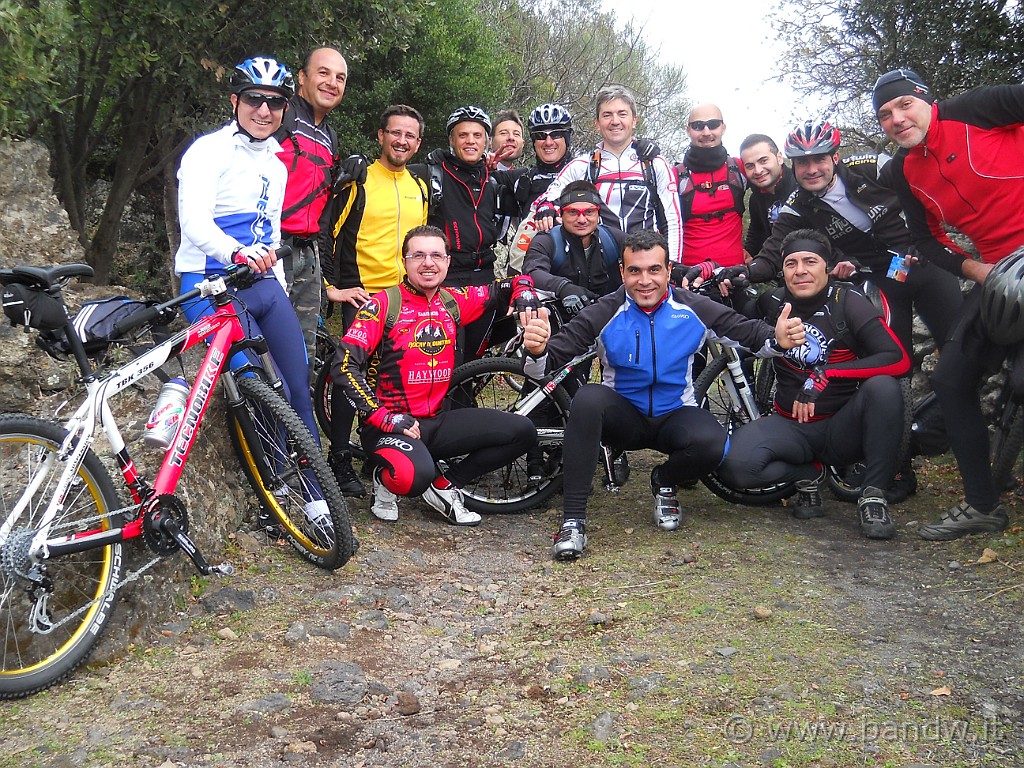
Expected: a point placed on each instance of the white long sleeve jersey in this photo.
(621, 184)
(230, 195)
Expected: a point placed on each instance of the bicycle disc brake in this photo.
(157, 538)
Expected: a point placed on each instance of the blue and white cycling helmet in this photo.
(549, 117)
(265, 73)
(472, 114)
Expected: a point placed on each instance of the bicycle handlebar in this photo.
(236, 274)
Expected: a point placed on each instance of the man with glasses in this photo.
(578, 259)
(309, 150)
(711, 190)
(366, 224)
(408, 331)
(637, 187)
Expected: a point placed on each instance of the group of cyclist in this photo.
(408, 252)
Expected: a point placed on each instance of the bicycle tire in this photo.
(485, 383)
(711, 393)
(845, 482)
(323, 390)
(31, 661)
(294, 458)
(1007, 443)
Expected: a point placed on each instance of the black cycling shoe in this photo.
(341, 464)
(808, 500)
(875, 522)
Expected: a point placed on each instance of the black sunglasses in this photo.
(256, 100)
(700, 125)
(541, 135)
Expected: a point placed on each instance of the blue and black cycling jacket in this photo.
(647, 357)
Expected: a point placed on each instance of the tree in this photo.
(840, 47)
(453, 59)
(565, 51)
(136, 82)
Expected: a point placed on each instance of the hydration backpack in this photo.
(688, 190)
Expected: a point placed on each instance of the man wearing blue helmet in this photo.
(230, 195)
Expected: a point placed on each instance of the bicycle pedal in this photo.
(224, 569)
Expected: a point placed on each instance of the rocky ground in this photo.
(745, 638)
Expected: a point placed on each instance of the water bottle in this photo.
(163, 421)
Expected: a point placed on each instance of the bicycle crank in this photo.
(165, 528)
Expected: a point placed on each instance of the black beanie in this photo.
(900, 82)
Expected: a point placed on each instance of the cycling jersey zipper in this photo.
(654, 368)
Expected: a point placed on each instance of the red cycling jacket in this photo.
(406, 368)
(966, 173)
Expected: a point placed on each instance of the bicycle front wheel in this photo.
(323, 388)
(288, 471)
(73, 595)
(1007, 443)
(533, 478)
(711, 392)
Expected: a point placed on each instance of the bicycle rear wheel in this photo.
(82, 586)
(499, 383)
(287, 469)
(711, 392)
(1007, 443)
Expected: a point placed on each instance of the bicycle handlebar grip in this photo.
(122, 327)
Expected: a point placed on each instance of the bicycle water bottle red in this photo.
(170, 407)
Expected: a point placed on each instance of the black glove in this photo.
(389, 421)
(352, 168)
(737, 275)
(704, 271)
(813, 386)
(569, 289)
(574, 304)
(679, 271)
(646, 149)
(546, 211)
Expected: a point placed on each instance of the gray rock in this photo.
(591, 673)
(603, 727)
(374, 619)
(229, 600)
(339, 683)
(296, 634)
(335, 630)
(725, 652)
(514, 751)
(275, 702)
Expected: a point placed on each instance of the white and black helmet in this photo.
(1002, 300)
(549, 117)
(473, 114)
(263, 72)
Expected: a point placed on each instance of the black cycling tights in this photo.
(692, 438)
(486, 437)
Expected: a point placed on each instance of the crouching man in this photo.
(408, 334)
(836, 399)
(647, 335)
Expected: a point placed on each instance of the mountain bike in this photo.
(61, 520)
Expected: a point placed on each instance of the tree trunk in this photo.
(138, 119)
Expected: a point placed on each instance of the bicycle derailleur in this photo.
(165, 529)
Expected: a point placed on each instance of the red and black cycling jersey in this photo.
(874, 350)
(406, 368)
(309, 152)
(967, 173)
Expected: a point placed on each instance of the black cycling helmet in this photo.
(1002, 300)
(812, 138)
(550, 117)
(263, 72)
(473, 114)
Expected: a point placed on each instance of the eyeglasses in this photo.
(419, 256)
(575, 213)
(541, 135)
(257, 100)
(396, 134)
(700, 125)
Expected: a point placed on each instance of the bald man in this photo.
(711, 189)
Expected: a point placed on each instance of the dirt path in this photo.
(746, 638)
